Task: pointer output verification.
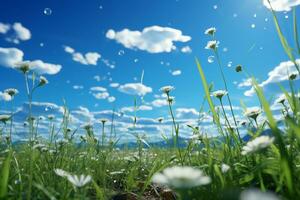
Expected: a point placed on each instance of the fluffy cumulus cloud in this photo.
(90, 58)
(135, 89)
(176, 72)
(153, 39)
(4, 28)
(10, 57)
(281, 5)
(15, 32)
(186, 49)
(101, 93)
(189, 113)
(279, 74)
(132, 109)
(159, 102)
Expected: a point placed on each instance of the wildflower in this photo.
(281, 99)
(214, 44)
(225, 168)
(252, 194)
(292, 77)
(103, 120)
(50, 117)
(11, 92)
(160, 119)
(4, 118)
(79, 181)
(24, 67)
(42, 118)
(181, 177)
(219, 93)
(210, 31)
(243, 123)
(238, 68)
(253, 112)
(171, 100)
(43, 81)
(257, 144)
(61, 172)
(166, 89)
(87, 127)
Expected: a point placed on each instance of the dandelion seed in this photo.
(257, 144)
(214, 44)
(61, 172)
(43, 81)
(79, 181)
(181, 177)
(219, 94)
(11, 92)
(166, 89)
(210, 31)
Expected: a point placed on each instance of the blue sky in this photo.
(245, 30)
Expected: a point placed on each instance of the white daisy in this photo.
(4, 118)
(214, 44)
(253, 112)
(43, 81)
(210, 31)
(61, 172)
(254, 194)
(257, 144)
(219, 93)
(11, 91)
(166, 89)
(181, 177)
(79, 181)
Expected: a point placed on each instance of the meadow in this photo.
(265, 165)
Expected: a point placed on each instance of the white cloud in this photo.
(154, 39)
(15, 33)
(114, 85)
(78, 87)
(90, 58)
(41, 67)
(185, 113)
(10, 57)
(186, 49)
(101, 95)
(159, 102)
(4, 28)
(111, 99)
(176, 73)
(132, 109)
(278, 74)
(98, 89)
(135, 89)
(281, 5)
(22, 33)
(245, 83)
(4, 96)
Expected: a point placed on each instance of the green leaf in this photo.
(4, 176)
